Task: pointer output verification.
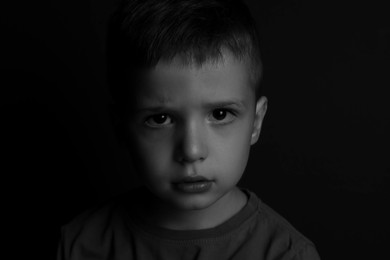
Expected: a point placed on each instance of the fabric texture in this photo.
(111, 231)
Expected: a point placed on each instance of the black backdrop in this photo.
(322, 162)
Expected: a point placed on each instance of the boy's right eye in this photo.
(159, 120)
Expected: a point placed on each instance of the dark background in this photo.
(322, 162)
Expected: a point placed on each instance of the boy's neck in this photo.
(216, 214)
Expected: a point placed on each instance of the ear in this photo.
(261, 109)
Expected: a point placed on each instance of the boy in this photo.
(184, 76)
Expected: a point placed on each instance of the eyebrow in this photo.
(225, 103)
(239, 104)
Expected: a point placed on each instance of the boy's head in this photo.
(186, 74)
(145, 32)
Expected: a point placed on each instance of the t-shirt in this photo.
(112, 232)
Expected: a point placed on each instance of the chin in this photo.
(194, 202)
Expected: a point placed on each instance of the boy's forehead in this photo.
(224, 70)
(172, 83)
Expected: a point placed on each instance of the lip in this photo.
(192, 179)
(194, 184)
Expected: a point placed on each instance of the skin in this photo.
(193, 121)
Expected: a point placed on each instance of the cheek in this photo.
(151, 156)
(234, 145)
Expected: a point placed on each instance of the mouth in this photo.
(196, 184)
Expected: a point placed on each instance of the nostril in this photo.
(194, 154)
(190, 156)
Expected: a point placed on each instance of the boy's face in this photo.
(188, 121)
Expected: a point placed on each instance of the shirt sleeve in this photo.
(64, 246)
(60, 248)
(308, 252)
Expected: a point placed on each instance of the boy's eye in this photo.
(222, 116)
(158, 120)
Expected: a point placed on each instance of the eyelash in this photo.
(229, 112)
(152, 125)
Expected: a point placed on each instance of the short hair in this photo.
(143, 32)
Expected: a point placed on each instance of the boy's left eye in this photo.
(221, 115)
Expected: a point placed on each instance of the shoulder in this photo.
(95, 218)
(93, 229)
(282, 239)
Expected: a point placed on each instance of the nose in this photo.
(192, 143)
